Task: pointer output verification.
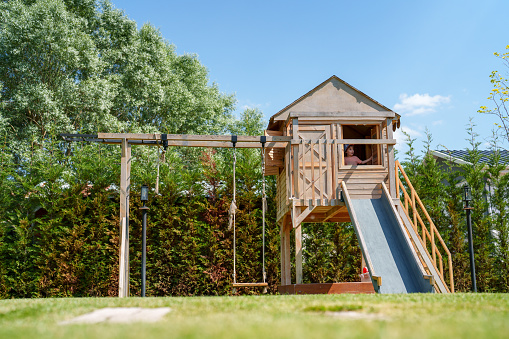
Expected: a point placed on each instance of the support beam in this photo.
(342, 115)
(125, 186)
(298, 254)
(285, 251)
(295, 157)
(332, 213)
(390, 162)
(298, 244)
(190, 137)
(303, 215)
(388, 141)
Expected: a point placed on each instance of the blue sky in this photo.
(427, 60)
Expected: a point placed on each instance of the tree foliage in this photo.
(73, 66)
(499, 97)
(84, 66)
(440, 189)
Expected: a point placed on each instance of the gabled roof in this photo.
(459, 156)
(281, 115)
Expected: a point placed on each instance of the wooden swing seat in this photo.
(250, 285)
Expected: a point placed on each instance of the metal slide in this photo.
(392, 263)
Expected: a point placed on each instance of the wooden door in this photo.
(315, 179)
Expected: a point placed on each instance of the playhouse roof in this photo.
(332, 95)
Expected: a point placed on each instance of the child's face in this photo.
(350, 151)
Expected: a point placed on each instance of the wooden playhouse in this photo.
(315, 185)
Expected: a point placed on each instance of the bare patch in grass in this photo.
(354, 315)
(347, 311)
(334, 308)
(120, 315)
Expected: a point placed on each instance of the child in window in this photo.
(351, 159)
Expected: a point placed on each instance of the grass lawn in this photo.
(311, 316)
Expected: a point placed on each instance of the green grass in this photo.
(313, 316)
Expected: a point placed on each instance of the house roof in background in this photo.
(459, 156)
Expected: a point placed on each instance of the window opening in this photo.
(363, 152)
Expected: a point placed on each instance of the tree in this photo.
(499, 97)
(73, 66)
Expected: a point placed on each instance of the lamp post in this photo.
(144, 209)
(467, 197)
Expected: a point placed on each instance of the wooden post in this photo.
(298, 254)
(391, 162)
(288, 264)
(122, 262)
(335, 164)
(295, 149)
(125, 183)
(285, 251)
(298, 244)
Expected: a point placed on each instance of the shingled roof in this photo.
(460, 156)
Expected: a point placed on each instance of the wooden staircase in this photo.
(425, 238)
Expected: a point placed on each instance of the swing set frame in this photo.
(127, 140)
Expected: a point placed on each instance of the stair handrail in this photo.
(411, 199)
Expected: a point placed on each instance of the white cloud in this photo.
(401, 138)
(420, 103)
(437, 122)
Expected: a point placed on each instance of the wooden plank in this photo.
(332, 212)
(344, 121)
(362, 186)
(295, 131)
(391, 162)
(224, 144)
(288, 172)
(250, 285)
(320, 174)
(128, 197)
(191, 137)
(191, 143)
(336, 169)
(312, 145)
(298, 253)
(272, 133)
(287, 263)
(374, 168)
(303, 214)
(282, 253)
(328, 158)
(358, 180)
(363, 173)
(382, 114)
(125, 169)
(122, 262)
(353, 141)
(298, 244)
(328, 202)
(341, 155)
(310, 128)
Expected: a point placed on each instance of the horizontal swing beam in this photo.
(183, 140)
(189, 137)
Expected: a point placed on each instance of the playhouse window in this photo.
(364, 132)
